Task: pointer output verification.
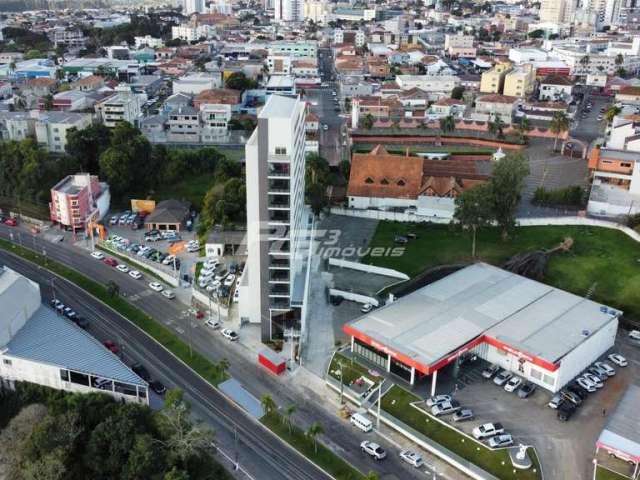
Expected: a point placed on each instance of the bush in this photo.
(562, 197)
(633, 221)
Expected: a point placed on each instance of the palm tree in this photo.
(447, 124)
(267, 403)
(313, 431)
(619, 59)
(496, 127)
(288, 413)
(611, 112)
(223, 366)
(522, 128)
(559, 124)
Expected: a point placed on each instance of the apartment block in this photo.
(78, 199)
(51, 128)
(520, 81)
(184, 125)
(277, 219)
(124, 106)
(492, 81)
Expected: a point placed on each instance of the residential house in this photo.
(69, 101)
(377, 107)
(184, 125)
(215, 121)
(122, 106)
(196, 83)
(615, 189)
(492, 81)
(6, 91)
(555, 88)
(447, 107)
(33, 89)
(219, 96)
(437, 86)
(624, 133)
(459, 46)
(628, 95)
(493, 105)
(17, 125)
(90, 83)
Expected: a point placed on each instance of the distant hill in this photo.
(22, 5)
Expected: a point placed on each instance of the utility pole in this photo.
(379, 403)
(53, 290)
(235, 446)
(341, 382)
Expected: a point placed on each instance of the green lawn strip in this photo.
(606, 474)
(161, 334)
(397, 403)
(600, 257)
(352, 370)
(124, 258)
(324, 458)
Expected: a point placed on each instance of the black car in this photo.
(158, 387)
(142, 372)
(526, 390)
(565, 411)
(578, 390)
(81, 322)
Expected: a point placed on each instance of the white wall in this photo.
(388, 272)
(19, 299)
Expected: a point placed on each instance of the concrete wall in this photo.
(354, 297)
(592, 222)
(394, 216)
(388, 272)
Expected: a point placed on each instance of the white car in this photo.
(229, 334)
(236, 295)
(445, 408)
(212, 286)
(593, 379)
(634, 334)
(373, 449)
(618, 359)
(205, 276)
(502, 378)
(501, 441)
(412, 458)
(366, 308)
(156, 287)
(586, 384)
(513, 384)
(168, 294)
(97, 255)
(229, 280)
(168, 259)
(438, 399)
(215, 324)
(135, 274)
(606, 367)
(122, 268)
(210, 264)
(487, 430)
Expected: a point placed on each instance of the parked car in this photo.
(487, 430)
(502, 378)
(236, 295)
(158, 387)
(609, 370)
(366, 308)
(526, 390)
(168, 294)
(513, 384)
(565, 411)
(97, 255)
(135, 274)
(122, 268)
(168, 259)
(634, 334)
(229, 334)
(463, 415)
(12, 222)
(229, 280)
(412, 458)
(618, 359)
(577, 389)
(156, 287)
(141, 371)
(400, 239)
(556, 401)
(111, 346)
(215, 324)
(373, 449)
(81, 322)
(586, 384)
(112, 262)
(113, 220)
(503, 440)
(490, 371)
(55, 302)
(438, 399)
(594, 379)
(571, 397)
(445, 408)
(597, 373)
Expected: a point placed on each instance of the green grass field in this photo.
(325, 458)
(397, 402)
(605, 474)
(601, 259)
(352, 370)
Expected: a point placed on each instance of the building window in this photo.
(281, 150)
(64, 375)
(401, 183)
(369, 180)
(384, 181)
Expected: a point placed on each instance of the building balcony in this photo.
(279, 276)
(279, 304)
(279, 263)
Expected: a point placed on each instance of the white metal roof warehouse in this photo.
(544, 334)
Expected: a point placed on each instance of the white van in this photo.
(362, 422)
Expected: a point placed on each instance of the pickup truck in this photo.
(488, 430)
(373, 449)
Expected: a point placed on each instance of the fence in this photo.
(385, 215)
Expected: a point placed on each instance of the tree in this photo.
(559, 125)
(523, 128)
(223, 366)
(506, 184)
(317, 168)
(367, 121)
(288, 413)
(496, 127)
(539, 33)
(372, 476)
(447, 124)
(33, 54)
(313, 431)
(619, 59)
(457, 92)
(87, 145)
(176, 474)
(16, 434)
(612, 112)
(113, 290)
(474, 210)
(48, 102)
(239, 81)
(145, 458)
(267, 403)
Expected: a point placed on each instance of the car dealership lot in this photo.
(565, 448)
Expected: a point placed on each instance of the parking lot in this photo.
(566, 449)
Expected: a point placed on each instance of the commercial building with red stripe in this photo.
(541, 333)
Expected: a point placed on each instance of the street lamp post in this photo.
(379, 403)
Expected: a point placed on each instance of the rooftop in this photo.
(278, 106)
(622, 431)
(482, 300)
(54, 340)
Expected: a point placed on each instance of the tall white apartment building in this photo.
(557, 11)
(289, 10)
(277, 219)
(193, 6)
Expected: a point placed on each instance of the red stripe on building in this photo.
(618, 452)
(551, 367)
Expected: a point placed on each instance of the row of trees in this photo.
(319, 177)
(496, 201)
(57, 435)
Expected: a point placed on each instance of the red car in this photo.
(111, 262)
(12, 222)
(111, 346)
(199, 314)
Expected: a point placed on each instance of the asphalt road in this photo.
(176, 316)
(268, 456)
